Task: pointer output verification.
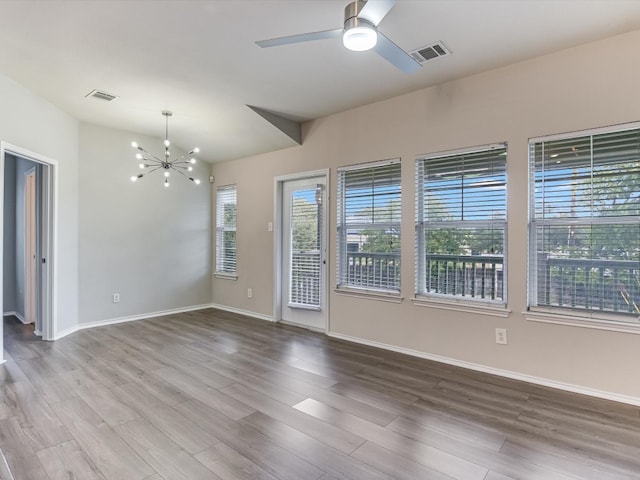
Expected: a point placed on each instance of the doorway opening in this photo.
(301, 250)
(27, 239)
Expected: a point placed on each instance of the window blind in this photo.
(369, 213)
(585, 222)
(226, 209)
(460, 223)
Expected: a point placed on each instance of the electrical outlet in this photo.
(116, 298)
(270, 227)
(249, 293)
(501, 336)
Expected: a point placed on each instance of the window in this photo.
(369, 210)
(460, 224)
(585, 223)
(226, 230)
(305, 253)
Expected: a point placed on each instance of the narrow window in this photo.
(226, 207)
(461, 209)
(584, 227)
(369, 211)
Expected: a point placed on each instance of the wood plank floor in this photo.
(210, 394)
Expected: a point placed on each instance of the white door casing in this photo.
(46, 321)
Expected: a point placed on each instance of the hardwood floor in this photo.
(210, 394)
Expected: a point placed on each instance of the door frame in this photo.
(279, 182)
(48, 227)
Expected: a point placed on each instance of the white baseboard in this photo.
(15, 314)
(247, 313)
(495, 371)
(64, 333)
(132, 318)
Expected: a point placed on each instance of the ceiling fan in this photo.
(360, 32)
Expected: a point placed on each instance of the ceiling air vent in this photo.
(430, 52)
(101, 95)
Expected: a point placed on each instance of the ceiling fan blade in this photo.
(375, 10)
(393, 54)
(303, 37)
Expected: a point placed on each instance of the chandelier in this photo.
(149, 163)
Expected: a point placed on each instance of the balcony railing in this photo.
(604, 285)
(304, 288)
(373, 270)
(474, 276)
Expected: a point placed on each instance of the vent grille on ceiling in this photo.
(424, 54)
(101, 95)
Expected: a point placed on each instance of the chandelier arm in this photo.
(194, 180)
(181, 173)
(153, 170)
(184, 157)
(153, 161)
(151, 156)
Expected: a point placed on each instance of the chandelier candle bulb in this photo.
(151, 162)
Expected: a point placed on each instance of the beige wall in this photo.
(590, 86)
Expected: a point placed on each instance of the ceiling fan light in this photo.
(360, 35)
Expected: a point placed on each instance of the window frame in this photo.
(449, 301)
(220, 248)
(342, 248)
(587, 318)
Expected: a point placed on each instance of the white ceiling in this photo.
(198, 57)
